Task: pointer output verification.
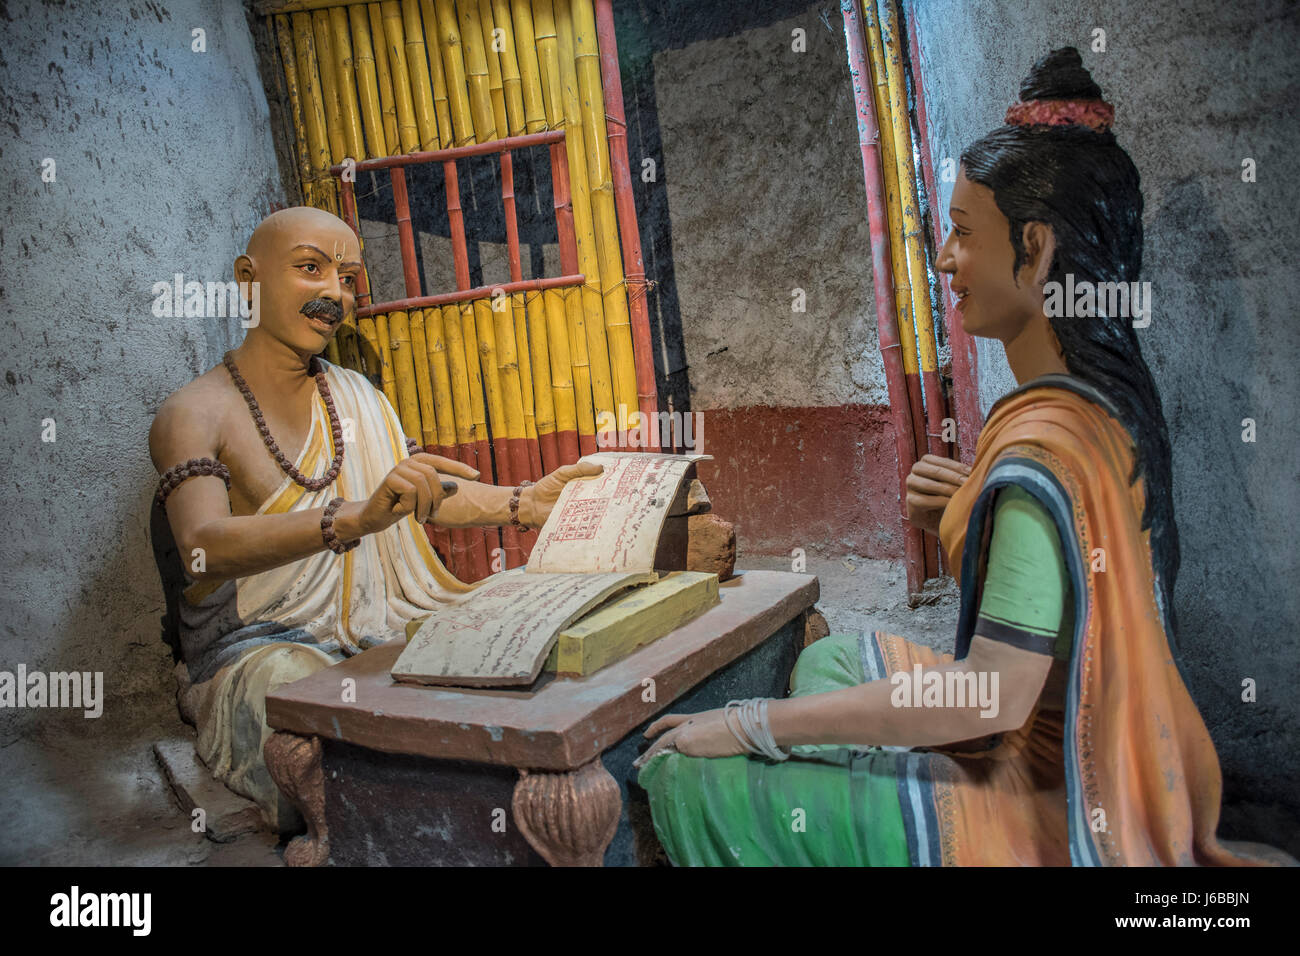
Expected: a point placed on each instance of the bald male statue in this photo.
(277, 590)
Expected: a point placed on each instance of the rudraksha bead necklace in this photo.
(311, 484)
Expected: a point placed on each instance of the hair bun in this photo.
(1060, 75)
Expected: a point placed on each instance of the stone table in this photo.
(389, 773)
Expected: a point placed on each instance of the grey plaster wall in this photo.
(163, 164)
(763, 177)
(1197, 87)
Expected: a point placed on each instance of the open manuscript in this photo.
(601, 539)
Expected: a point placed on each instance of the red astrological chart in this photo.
(580, 519)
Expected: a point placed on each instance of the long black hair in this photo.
(1084, 185)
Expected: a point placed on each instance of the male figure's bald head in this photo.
(304, 263)
(287, 227)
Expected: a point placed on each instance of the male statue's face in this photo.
(306, 263)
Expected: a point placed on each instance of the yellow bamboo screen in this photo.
(374, 79)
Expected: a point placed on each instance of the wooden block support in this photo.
(226, 815)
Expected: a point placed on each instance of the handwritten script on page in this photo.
(611, 522)
(503, 634)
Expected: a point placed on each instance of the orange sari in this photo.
(1127, 775)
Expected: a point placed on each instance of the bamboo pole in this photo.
(368, 120)
(900, 132)
(289, 60)
(566, 423)
(417, 67)
(387, 371)
(642, 345)
(445, 410)
(453, 61)
(476, 71)
(441, 103)
(523, 348)
(367, 70)
(349, 121)
(383, 70)
(406, 329)
(368, 334)
(530, 75)
(432, 416)
(871, 145)
(618, 327)
(313, 112)
(336, 132)
(345, 83)
(403, 106)
(965, 372)
(548, 58)
(512, 399)
(539, 347)
(329, 88)
(898, 252)
(415, 317)
(963, 402)
(518, 334)
(912, 229)
(587, 342)
(502, 426)
(318, 146)
(478, 330)
(562, 388)
(511, 81)
(370, 92)
(481, 458)
(492, 53)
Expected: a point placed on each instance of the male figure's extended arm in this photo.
(230, 546)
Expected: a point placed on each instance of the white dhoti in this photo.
(243, 638)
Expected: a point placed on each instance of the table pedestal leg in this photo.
(568, 818)
(295, 766)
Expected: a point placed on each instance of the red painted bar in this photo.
(478, 292)
(456, 152)
(405, 234)
(629, 236)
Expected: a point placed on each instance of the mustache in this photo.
(323, 309)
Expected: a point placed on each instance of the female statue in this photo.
(1061, 731)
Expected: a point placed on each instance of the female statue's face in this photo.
(993, 302)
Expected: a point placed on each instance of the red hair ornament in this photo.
(1097, 115)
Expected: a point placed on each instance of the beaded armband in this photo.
(514, 506)
(413, 447)
(327, 529)
(193, 468)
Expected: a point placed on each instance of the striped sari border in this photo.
(912, 773)
(1039, 481)
(916, 801)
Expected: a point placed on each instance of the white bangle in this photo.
(756, 735)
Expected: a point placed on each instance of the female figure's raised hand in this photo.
(930, 487)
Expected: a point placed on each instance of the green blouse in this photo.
(1027, 599)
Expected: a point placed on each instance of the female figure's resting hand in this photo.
(930, 487)
(537, 500)
(705, 734)
(414, 486)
